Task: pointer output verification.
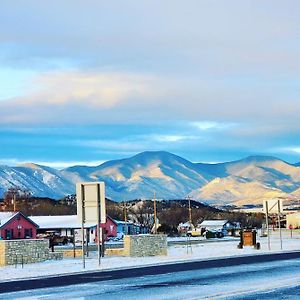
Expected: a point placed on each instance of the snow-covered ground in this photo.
(219, 248)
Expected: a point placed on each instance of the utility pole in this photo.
(125, 218)
(190, 211)
(155, 216)
(14, 200)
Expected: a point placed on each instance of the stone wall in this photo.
(23, 251)
(69, 253)
(145, 245)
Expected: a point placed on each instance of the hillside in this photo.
(246, 181)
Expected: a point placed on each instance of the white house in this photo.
(225, 226)
(293, 220)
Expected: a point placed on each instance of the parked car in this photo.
(210, 234)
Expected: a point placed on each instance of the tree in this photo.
(16, 199)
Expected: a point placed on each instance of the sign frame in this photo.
(91, 208)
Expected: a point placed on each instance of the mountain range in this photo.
(246, 181)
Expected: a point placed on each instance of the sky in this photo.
(82, 82)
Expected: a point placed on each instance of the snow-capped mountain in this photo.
(236, 190)
(139, 176)
(247, 181)
(40, 180)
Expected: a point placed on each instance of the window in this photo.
(9, 233)
(28, 233)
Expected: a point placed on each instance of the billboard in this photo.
(91, 202)
(273, 206)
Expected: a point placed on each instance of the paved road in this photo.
(168, 279)
(278, 279)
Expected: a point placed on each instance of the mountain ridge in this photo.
(171, 176)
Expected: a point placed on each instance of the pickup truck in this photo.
(194, 232)
(207, 233)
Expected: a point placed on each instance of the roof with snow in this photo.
(124, 223)
(186, 224)
(65, 221)
(57, 222)
(6, 216)
(214, 222)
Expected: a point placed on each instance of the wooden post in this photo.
(155, 217)
(14, 202)
(125, 219)
(190, 211)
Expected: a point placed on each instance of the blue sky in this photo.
(89, 81)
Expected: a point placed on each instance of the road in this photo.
(278, 279)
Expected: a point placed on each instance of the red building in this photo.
(110, 227)
(67, 225)
(14, 225)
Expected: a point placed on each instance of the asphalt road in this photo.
(147, 280)
(279, 279)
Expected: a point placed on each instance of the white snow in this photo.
(6, 216)
(177, 253)
(214, 223)
(58, 222)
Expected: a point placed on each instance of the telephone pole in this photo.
(14, 200)
(190, 210)
(155, 214)
(125, 218)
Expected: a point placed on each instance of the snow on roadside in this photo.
(176, 253)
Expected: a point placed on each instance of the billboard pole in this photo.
(82, 224)
(91, 210)
(267, 224)
(98, 224)
(279, 209)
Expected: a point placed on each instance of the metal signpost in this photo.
(91, 209)
(291, 229)
(274, 206)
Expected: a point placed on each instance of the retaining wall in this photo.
(23, 251)
(145, 245)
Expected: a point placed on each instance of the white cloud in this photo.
(290, 149)
(99, 90)
(211, 125)
(81, 97)
(172, 138)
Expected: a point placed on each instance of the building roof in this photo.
(65, 221)
(5, 217)
(214, 222)
(57, 222)
(123, 222)
(186, 224)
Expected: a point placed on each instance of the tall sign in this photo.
(273, 206)
(91, 209)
